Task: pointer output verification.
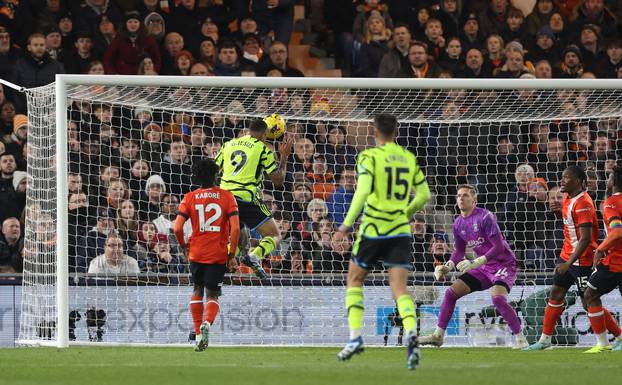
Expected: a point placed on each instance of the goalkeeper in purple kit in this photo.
(494, 267)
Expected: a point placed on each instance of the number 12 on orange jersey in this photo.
(205, 219)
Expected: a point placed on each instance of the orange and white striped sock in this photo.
(211, 310)
(551, 314)
(597, 320)
(196, 309)
(612, 325)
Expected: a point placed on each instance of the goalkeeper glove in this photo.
(441, 271)
(466, 265)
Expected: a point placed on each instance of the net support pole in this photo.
(62, 214)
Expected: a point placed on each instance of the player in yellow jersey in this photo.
(387, 176)
(243, 162)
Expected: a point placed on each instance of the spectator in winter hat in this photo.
(514, 65)
(470, 36)
(572, 63)
(15, 142)
(149, 204)
(154, 23)
(523, 174)
(591, 51)
(20, 181)
(126, 50)
(439, 251)
(183, 62)
(545, 48)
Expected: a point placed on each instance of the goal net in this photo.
(116, 156)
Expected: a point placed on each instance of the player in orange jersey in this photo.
(580, 241)
(608, 265)
(215, 230)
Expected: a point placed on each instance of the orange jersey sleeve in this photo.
(612, 216)
(183, 208)
(584, 211)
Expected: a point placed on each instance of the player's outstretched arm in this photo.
(285, 149)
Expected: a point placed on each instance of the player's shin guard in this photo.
(597, 320)
(211, 310)
(406, 308)
(507, 312)
(196, 309)
(611, 324)
(356, 309)
(447, 308)
(553, 310)
(265, 247)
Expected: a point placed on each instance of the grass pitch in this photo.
(300, 366)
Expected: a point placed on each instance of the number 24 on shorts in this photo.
(502, 273)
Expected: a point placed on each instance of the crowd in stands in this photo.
(129, 167)
(368, 38)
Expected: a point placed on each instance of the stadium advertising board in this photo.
(278, 315)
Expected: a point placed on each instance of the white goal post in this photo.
(477, 131)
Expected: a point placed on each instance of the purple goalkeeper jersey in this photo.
(481, 232)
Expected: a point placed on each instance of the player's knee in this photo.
(590, 296)
(213, 293)
(198, 290)
(557, 293)
(356, 278)
(459, 288)
(499, 300)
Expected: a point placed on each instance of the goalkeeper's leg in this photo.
(356, 309)
(500, 300)
(398, 277)
(457, 290)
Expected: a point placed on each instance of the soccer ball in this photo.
(276, 126)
